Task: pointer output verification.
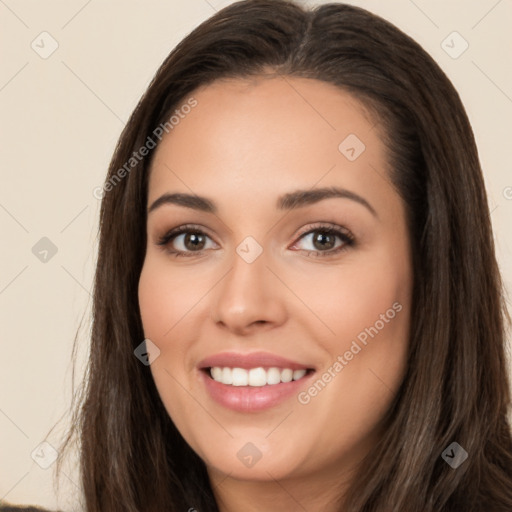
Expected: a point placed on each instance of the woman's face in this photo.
(257, 287)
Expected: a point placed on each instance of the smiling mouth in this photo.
(255, 377)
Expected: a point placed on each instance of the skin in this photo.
(245, 144)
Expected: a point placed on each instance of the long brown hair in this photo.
(456, 387)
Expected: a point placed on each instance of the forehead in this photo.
(245, 138)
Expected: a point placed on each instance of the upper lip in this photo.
(251, 360)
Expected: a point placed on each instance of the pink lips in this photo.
(252, 360)
(249, 398)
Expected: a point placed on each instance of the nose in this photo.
(249, 297)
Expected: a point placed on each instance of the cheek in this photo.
(366, 306)
(165, 297)
(353, 297)
(163, 303)
(170, 309)
(366, 360)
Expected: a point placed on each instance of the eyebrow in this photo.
(290, 201)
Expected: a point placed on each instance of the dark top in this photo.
(21, 508)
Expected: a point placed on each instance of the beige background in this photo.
(61, 117)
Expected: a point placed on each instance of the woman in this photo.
(297, 304)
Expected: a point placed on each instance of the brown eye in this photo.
(326, 240)
(185, 241)
(194, 241)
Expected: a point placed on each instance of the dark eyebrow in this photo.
(186, 200)
(302, 198)
(291, 201)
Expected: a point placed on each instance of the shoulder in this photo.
(7, 507)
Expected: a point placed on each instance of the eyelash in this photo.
(328, 229)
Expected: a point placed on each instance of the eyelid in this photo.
(183, 228)
(318, 226)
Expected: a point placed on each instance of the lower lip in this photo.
(252, 398)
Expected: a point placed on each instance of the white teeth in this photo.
(273, 376)
(227, 377)
(286, 375)
(240, 377)
(217, 373)
(298, 374)
(256, 377)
